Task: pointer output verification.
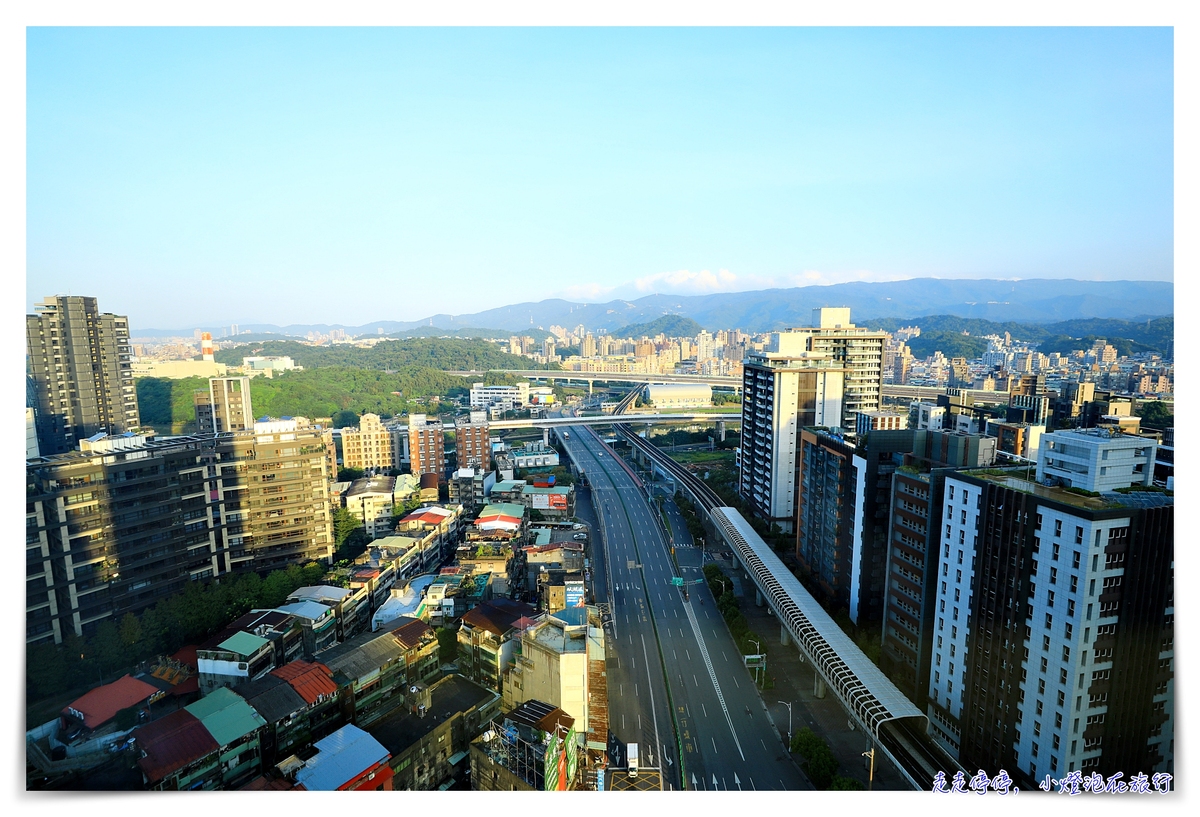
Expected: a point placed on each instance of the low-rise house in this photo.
(318, 624)
(210, 744)
(486, 639)
(371, 500)
(351, 607)
(532, 748)
(313, 682)
(498, 522)
(429, 738)
(239, 658)
(98, 707)
(372, 667)
(348, 760)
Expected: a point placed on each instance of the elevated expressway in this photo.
(870, 699)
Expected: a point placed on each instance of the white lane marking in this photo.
(694, 681)
(704, 710)
(713, 676)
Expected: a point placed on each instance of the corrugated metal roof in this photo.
(412, 632)
(243, 643)
(306, 609)
(498, 615)
(320, 593)
(272, 697)
(172, 742)
(363, 654)
(226, 716)
(101, 704)
(310, 679)
(342, 756)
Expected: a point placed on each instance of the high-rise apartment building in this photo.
(472, 442)
(370, 447)
(224, 406)
(1096, 459)
(914, 520)
(79, 359)
(129, 520)
(823, 375)
(1055, 621)
(426, 446)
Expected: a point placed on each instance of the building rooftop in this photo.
(172, 742)
(272, 697)
(411, 632)
(341, 757)
(226, 715)
(497, 616)
(1016, 479)
(243, 643)
(312, 680)
(449, 696)
(101, 704)
(541, 715)
(372, 485)
(363, 654)
(266, 622)
(323, 593)
(552, 634)
(305, 609)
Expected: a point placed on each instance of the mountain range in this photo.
(1037, 300)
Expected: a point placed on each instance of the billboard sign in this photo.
(574, 593)
(541, 502)
(558, 501)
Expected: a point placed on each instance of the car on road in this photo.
(578, 536)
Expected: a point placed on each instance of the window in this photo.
(1062, 697)
(952, 492)
(953, 632)
(960, 553)
(1050, 597)
(1049, 620)
(1053, 575)
(942, 606)
(962, 540)
(947, 531)
(958, 576)
(1058, 720)
(949, 685)
(956, 614)
(1095, 561)
(1045, 643)
(1045, 664)
(1041, 689)
(1037, 729)
(956, 592)
(941, 623)
(1092, 587)
(1053, 759)
(943, 587)
(1074, 583)
(939, 642)
(1058, 527)
(946, 554)
(1068, 630)
(1035, 755)
(966, 496)
(937, 676)
(1078, 535)
(1039, 521)
(1066, 653)
(963, 520)
(1062, 676)
(951, 650)
(1038, 708)
(1075, 559)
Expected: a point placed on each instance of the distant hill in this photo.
(1154, 335)
(1041, 301)
(401, 355)
(673, 326)
(469, 332)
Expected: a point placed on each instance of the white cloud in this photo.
(690, 283)
(585, 292)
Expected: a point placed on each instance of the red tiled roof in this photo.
(101, 704)
(171, 743)
(190, 685)
(411, 633)
(310, 679)
(187, 656)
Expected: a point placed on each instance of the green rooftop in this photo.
(243, 644)
(1015, 478)
(226, 715)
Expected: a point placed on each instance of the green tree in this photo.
(344, 418)
(822, 767)
(845, 784)
(350, 474)
(131, 635)
(806, 742)
(1156, 414)
(344, 523)
(447, 644)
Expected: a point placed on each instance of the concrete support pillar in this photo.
(818, 686)
(759, 601)
(591, 385)
(721, 430)
(545, 436)
(785, 638)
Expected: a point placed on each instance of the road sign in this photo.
(677, 581)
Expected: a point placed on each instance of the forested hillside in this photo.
(445, 354)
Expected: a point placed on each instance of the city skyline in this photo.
(588, 164)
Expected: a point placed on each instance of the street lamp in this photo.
(789, 706)
(871, 776)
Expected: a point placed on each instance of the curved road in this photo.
(676, 682)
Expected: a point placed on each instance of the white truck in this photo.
(631, 754)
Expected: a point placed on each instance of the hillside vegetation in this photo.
(444, 354)
(1128, 337)
(673, 326)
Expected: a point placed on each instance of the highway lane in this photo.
(708, 717)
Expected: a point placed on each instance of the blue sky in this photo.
(208, 176)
